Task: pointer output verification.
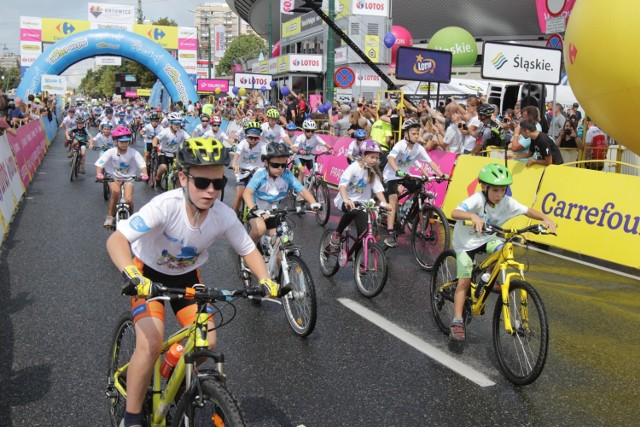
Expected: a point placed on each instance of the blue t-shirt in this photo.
(268, 191)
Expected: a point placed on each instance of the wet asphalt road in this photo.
(59, 300)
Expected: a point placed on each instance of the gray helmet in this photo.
(486, 110)
(276, 149)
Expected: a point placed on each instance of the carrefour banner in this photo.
(165, 36)
(592, 219)
(56, 29)
(252, 81)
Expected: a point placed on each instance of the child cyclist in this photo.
(291, 129)
(103, 139)
(167, 242)
(304, 145)
(353, 150)
(121, 162)
(148, 132)
(405, 153)
(271, 185)
(494, 207)
(247, 156)
(357, 184)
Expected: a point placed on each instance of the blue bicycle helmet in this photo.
(291, 126)
(360, 134)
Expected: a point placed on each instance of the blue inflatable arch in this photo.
(87, 44)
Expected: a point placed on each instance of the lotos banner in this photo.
(29, 146)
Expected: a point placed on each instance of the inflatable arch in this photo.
(87, 44)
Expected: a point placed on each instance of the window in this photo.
(372, 29)
(355, 28)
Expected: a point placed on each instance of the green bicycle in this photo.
(191, 396)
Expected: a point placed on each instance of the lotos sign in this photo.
(521, 63)
(305, 63)
(251, 81)
(370, 7)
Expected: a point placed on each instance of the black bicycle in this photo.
(428, 225)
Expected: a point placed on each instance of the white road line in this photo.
(417, 343)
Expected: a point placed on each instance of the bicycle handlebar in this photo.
(109, 178)
(203, 293)
(424, 178)
(492, 229)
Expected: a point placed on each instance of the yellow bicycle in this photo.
(520, 328)
(191, 396)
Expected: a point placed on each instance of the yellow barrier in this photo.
(598, 214)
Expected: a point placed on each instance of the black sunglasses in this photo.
(203, 183)
(253, 138)
(205, 121)
(214, 125)
(278, 165)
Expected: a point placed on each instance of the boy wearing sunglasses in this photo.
(247, 158)
(203, 127)
(166, 242)
(271, 185)
(217, 133)
(168, 140)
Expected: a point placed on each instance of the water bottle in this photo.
(484, 279)
(406, 207)
(171, 358)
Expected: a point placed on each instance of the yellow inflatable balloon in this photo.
(242, 91)
(602, 66)
(217, 91)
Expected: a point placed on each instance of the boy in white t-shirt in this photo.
(494, 207)
(166, 242)
(303, 147)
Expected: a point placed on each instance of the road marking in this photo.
(438, 355)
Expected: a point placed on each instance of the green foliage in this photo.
(240, 50)
(166, 21)
(11, 77)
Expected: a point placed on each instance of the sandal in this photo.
(457, 331)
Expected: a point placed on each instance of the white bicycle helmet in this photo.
(174, 116)
(309, 125)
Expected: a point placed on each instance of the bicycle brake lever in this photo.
(161, 297)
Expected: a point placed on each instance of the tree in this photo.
(245, 47)
(166, 21)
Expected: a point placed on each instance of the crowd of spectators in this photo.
(17, 112)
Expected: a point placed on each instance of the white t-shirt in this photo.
(354, 149)
(249, 157)
(355, 180)
(308, 145)
(104, 142)
(591, 132)
(150, 132)
(470, 141)
(272, 135)
(162, 237)
(465, 237)
(405, 158)
(169, 141)
(220, 135)
(121, 165)
(200, 130)
(454, 139)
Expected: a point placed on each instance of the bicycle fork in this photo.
(506, 312)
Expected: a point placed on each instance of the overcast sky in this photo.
(178, 10)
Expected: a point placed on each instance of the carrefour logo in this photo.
(499, 60)
(306, 63)
(424, 65)
(65, 28)
(370, 5)
(156, 34)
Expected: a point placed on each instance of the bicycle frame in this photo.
(501, 260)
(197, 343)
(281, 242)
(365, 238)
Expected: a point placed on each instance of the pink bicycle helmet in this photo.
(121, 133)
(369, 146)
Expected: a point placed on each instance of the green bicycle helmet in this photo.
(253, 128)
(203, 152)
(273, 113)
(495, 174)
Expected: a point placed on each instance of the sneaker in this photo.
(335, 239)
(82, 170)
(457, 330)
(391, 241)
(108, 223)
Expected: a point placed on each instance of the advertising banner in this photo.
(31, 23)
(109, 60)
(291, 28)
(56, 85)
(56, 29)
(366, 77)
(592, 219)
(111, 13)
(112, 25)
(370, 7)
(310, 20)
(426, 65)
(143, 92)
(252, 81)
(342, 8)
(372, 47)
(219, 41)
(521, 63)
(210, 85)
(29, 146)
(311, 63)
(11, 188)
(165, 36)
(286, 7)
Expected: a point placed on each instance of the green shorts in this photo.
(464, 259)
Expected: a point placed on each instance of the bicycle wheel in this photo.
(122, 347)
(244, 274)
(522, 353)
(300, 305)
(443, 287)
(430, 235)
(106, 191)
(74, 160)
(164, 182)
(371, 277)
(328, 258)
(216, 406)
(321, 194)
